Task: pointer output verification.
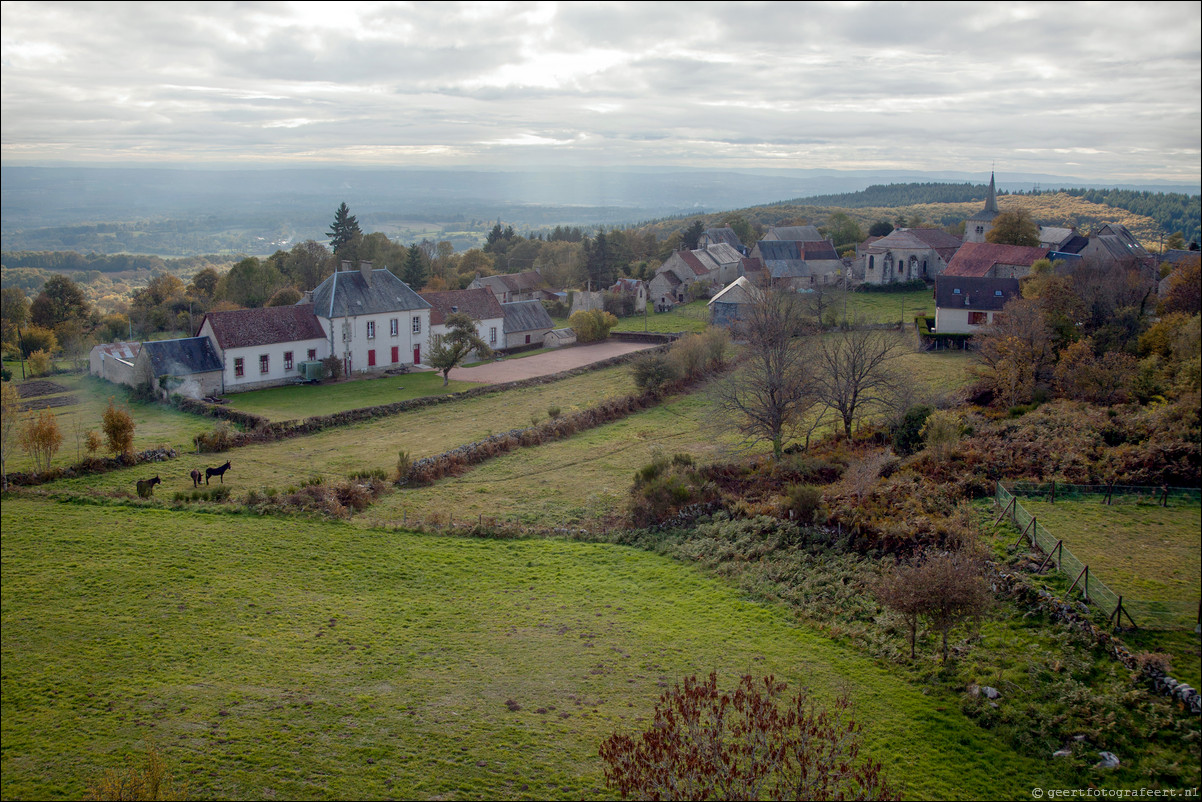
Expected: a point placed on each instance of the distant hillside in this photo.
(1055, 209)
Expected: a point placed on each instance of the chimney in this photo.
(365, 271)
(346, 265)
(308, 299)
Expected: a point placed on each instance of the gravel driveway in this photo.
(529, 367)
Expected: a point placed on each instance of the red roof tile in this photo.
(243, 328)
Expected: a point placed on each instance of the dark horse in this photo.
(146, 486)
(195, 477)
(218, 472)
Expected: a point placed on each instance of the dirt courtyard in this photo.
(530, 367)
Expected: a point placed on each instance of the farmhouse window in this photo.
(371, 358)
(871, 262)
(978, 318)
(492, 335)
(371, 329)
(287, 360)
(312, 354)
(394, 329)
(264, 363)
(417, 325)
(239, 367)
(527, 339)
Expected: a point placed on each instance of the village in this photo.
(363, 320)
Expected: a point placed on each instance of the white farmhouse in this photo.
(264, 347)
(372, 319)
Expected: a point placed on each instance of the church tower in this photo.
(977, 226)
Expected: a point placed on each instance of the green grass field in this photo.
(303, 401)
(1142, 551)
(334, 453)
(270, 658)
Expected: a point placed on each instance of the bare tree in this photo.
(769, 396)
(854, 373)
(899, 589)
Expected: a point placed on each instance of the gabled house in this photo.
(714, 267)
(1113, 244)
(526, 323)
(966, 304)
(722, 236)
(478, 304)
(372, 319)
(988, 260)
(631, 288)
(507, 287)
(906, 254)
(730, 307)
(264, 347)
(798, 264)
(114, 362)
(189, 366)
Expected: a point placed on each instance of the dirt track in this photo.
(545, 364)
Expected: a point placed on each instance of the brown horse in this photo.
(218, 472)
(146, 486)
(195, 477)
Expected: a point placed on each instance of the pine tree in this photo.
(344, 230)
(414, 273)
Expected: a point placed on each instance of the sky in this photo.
(1106, 91)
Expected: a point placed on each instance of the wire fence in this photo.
(1137, 612)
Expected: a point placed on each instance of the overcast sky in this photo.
(1109, 91)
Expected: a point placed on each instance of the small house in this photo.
(967, 304)
(526, 323)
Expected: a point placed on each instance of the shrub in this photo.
(41, 439)
(333, 366)
(118, 426)
(707, 744)
(404, 466)
(592, 325)
(907, 435)
(804, 503)
(219, 438)
(655, 371)
(153, 781)
(553, 412)
(39, 363)
(92, 442)
(38, 338)
(941, 433)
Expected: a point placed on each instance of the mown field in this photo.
(270, 658)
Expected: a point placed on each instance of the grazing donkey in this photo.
(195, 478)
(146, 486)
(218, 472)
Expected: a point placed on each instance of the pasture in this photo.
(1143, 551)
(297, 402)
(271, 658)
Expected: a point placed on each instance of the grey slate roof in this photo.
(976, 294)
(794, 233)
(181, 357)
(346, 293)
(525, 316)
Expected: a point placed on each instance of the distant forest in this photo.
(1172, 211)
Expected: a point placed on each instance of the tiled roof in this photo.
(243, 328)
(525, 316)
(479, 304)
(722, 253)
(978, 258)
(181, 357)
(694, 263)
(346, 293)
(970, 292)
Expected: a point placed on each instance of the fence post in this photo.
(1005, 509)
(1084, 572)
(1164, 496)
(1053, 491)
(1109, 490)
(1059, 545)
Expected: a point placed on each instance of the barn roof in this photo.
(181, 357)
(346, 293)
(526, 316)
(244, 328)
(478, 304)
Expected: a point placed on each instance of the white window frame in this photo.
(371, 329)
(417, 324)
(394, 328)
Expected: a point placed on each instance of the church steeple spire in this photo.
(991, 198)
